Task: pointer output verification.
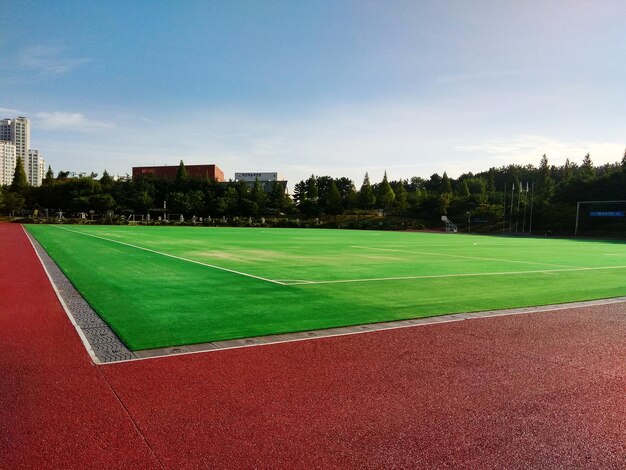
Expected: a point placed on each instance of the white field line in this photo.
(81, 335)
(175, 257)
(463, 256)
(437, 276)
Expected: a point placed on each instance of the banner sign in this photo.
(607, 213)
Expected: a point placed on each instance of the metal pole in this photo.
(511, 214)
(532, 197)
(519, 197)
(525, 206)
(577, 211)
(504, 214)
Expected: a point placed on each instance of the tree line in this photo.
(509, 198)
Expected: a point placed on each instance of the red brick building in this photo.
(169, 172)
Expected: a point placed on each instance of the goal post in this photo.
(599, 210)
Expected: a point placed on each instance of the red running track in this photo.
(542, 390)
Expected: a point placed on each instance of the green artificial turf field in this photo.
(166, 286)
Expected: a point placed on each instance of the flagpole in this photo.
(519, 197)
(511, 214)
(532, 197)
(504, 214)
(525, 205)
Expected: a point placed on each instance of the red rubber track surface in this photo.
(542, 390)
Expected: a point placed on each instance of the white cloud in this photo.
(49, 60)
(68, 121)
(478, 76)
(9, 112)
(346, 140)
(340, 140)
(524, 149)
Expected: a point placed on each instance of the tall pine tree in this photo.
(386, 196)
(446, 187)
(546, 187)
(20, 182)
(333, 200)
(181, 176)
(49, 178)
(366, 198)
(587, 171)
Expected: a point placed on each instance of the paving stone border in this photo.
(105, 347)
(101, 342)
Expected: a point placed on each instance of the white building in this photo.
(36, 168)
(253, 176)
(7, 162)
(267, 180)
(17, 131)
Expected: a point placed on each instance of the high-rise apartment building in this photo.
(17, 131)
(7, 162)
(36, 168)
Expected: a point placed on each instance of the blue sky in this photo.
(327, 87)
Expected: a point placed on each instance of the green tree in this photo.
(491, 181)
(101, 202)
(178, 202)
(348, 192)
(227, 204)
(49, 178)
(244, 203)
(587, 171)
(401, 199)
(546, 187)
(106, 181)
(332, 200)
(366, 198)
(259, 198)
(196, 206)
(433, 183)
(624, 161)
(385, 196)
(20, 182)
(299, 192)
(181, 176)
(568, 171)
(477, 188)
(312, 191)
(444, 202)
(446, 187)
(12, 202)
(464, 191)
(323, 186)
(308, 197)
(278, 197)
